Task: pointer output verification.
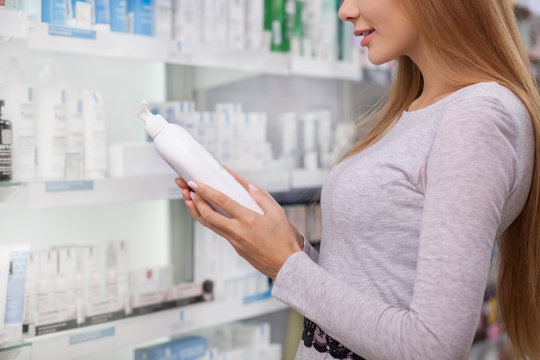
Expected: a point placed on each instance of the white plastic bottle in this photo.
(51, 126)
(75, 133)
(19, 108)
(191, 161)
(95, 135)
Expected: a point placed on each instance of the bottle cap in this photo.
(152, 123)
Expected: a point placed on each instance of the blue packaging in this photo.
(16, 296)
(102, 11)
(141, 13)
(186, 348)
(119, 15)
(54, 12)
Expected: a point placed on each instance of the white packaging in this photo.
(95, 135)
(188, 21)
(289, 140)
(226, 139)
(74, 168)
(135, 159)
(237, 24)
(254, 24)
(163, 19)
(117, 278)
(191, 161)
(309, 153)
(65, 283)
(150, 286)
(47, 310)
(32, 271)
(221, 25)
(210, 16)
(4, 275)
(19, 109)
(51, 126)
(251, 333)
(324, 137)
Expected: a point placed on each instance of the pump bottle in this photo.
(191, 160)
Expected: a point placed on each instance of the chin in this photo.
(378, 60)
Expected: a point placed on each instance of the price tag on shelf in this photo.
(91, 335)
(75, 185)
(59, 30)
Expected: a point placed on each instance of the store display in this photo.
(191, 160)
(5, 147)
(55, 11)
(95, 136)
(15, 297)
(140, 17)
(18, 97)
(51, 127)
(119, 16)
(74, 166)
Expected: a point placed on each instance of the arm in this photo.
(469, 175)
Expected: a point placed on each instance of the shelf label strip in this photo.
(91, 335)
(59, 30)
(79, 185)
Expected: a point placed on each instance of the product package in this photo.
(19, 109)
(15, 298)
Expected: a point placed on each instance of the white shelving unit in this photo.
(55, 194)
(42, 36)
(50, 194)
(101, 338)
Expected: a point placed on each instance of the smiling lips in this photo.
(366, 34)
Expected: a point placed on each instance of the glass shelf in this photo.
(19, 351)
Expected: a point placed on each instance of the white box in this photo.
(135, 159)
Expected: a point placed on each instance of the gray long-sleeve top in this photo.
(409, 226)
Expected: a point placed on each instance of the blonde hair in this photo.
(492, 51)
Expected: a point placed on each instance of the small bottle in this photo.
(191, 160)
(5, 147)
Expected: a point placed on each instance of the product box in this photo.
(135, 159)
(186, 348)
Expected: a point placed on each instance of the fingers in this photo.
(181, 183)
(261, 196)
(219, 199)
(240, 179)
(209, 217)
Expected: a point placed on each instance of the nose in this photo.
(349, 11)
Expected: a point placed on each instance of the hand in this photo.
(265, 241)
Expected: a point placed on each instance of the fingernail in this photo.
(192, 195)
(253, 187)
(192, 185)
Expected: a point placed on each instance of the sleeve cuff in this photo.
(310, 250)
(289, 276)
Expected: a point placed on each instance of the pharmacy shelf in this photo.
(86, 192)
(61, 193)
(326, 69)
(100, 338)
(42, 36)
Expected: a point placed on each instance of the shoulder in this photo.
(486, 105)
(487, 97)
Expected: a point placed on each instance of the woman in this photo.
(411, 214)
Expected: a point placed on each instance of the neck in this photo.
(436, 87)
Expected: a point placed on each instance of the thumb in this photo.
(263, 198)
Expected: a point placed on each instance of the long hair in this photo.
(474, 41)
